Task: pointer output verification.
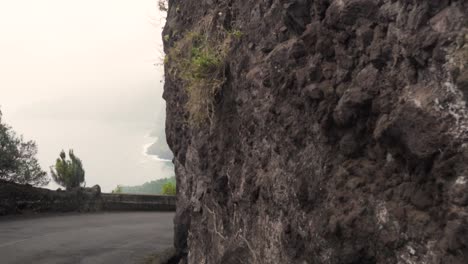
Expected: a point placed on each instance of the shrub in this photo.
(169, 188)
(68, 173)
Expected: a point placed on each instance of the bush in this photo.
(68, 173)
(18, 162)
(169, 189)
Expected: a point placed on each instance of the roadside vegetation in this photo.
(68, 173)
(18, 162)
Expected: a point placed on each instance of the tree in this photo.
(169, 189)
(68, 173)
(18, 162)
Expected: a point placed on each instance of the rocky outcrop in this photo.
(338, 135)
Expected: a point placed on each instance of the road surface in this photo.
(85, 238)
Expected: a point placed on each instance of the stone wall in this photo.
(18, 199)
(137, 202)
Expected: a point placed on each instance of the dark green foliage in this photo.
(68, 173)
(153, 187)
(169, 189)
(18, 162)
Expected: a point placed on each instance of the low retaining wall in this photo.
(18, 199)
(137, 202)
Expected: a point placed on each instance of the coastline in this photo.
(153, 157)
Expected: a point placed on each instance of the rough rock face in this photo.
(339, 134)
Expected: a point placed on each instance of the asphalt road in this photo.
(85, 238)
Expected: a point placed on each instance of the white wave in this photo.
(153, 157)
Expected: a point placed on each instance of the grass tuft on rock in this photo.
(199, 62)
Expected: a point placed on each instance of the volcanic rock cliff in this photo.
(319, 131)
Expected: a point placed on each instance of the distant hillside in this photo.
(152, 187)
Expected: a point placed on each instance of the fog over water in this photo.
(86, 75)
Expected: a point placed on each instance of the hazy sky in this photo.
(91, 51)
(85, 74)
